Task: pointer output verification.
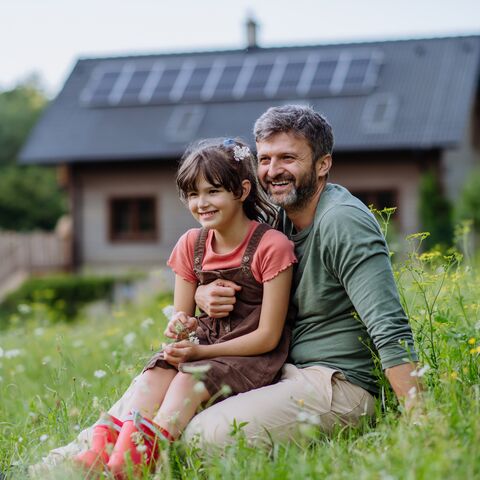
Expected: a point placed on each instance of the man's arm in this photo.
(217, 298)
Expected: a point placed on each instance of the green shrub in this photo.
(57, 298)
(435, 212)
(468, 207)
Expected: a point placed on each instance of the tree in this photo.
(29, 196)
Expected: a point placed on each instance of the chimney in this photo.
(252, 26)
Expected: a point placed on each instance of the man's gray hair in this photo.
(301, 120)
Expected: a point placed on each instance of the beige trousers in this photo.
(316, 395)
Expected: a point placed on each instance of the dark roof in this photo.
(406, 94)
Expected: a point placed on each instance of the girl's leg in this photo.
(150, 390)
(180, 403)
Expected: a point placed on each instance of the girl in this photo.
(245, 350)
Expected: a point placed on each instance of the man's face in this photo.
(286, 170)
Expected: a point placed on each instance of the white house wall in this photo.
(98, 187)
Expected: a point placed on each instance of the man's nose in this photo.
(274, 168)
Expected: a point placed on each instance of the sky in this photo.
(46, 37)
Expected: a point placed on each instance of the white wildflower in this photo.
(302, 417)
(99, 373)
(196, 368)
(24, 309)
(169, 311)
(43, 438)
(76, 428)
(95, 403)
(199, 387)
(20, 439)
(192, 338)
(147, 323)
(46, 360)
(129, 338)
(141, 448)
(39, 331)
(15, 352)
(225, 390)
(420, 372)
(412, 393)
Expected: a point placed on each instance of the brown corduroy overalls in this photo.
(239, 373)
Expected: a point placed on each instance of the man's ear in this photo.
(246, 187)
(323, 165)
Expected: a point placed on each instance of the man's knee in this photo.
(210, 427)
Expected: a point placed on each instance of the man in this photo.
(344, 295)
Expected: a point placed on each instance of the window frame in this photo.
(133, 236)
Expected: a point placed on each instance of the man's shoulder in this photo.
(337, 205)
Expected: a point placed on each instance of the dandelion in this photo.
(454, 375)
(471, 341)
(478, 349)
(148, 322)
(473, 351)
(44, 437)
(129, 338)
(99, 373)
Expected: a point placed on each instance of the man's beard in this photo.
(299, 195)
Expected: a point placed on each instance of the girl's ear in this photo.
(246, 187)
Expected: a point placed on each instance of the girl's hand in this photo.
(217, 298)
(180, 326)
(180, 352)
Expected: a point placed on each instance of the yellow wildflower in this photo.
(454, 375)
(473, 351)
(471, 341)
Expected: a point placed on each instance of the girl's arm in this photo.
(276, 296)
(184, 296)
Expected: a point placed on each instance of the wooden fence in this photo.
(24, 253)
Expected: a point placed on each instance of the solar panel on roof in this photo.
(259, 79)
(289, 74)
(161, 92)
(196, 83)
(227, 81)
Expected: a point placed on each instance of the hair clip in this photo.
(229, 142)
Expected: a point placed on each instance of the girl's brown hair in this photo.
(225, 163)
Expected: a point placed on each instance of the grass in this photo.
(52, 386)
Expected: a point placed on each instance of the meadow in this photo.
(56, 379)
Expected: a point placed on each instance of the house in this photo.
(119, 126)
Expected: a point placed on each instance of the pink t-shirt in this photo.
(273, 255)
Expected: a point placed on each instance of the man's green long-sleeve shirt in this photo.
(344, 292)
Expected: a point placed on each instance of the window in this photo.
(133, 219)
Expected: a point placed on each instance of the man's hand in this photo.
(406, 385)
(180, 352)
(180, 326)
(217, 298)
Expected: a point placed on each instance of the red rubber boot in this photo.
(104, 433)
(138, 445)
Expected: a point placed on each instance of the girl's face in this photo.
(214, 207)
